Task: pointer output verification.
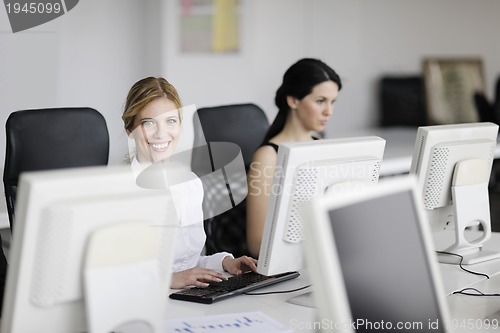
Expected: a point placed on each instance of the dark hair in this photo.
(299, 81)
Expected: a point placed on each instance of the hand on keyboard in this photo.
(202, 277)
(197, 276)
(236, 266)
(233, 286)
(238, 281)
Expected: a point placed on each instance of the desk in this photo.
(454, 278)
(302, 318)
(400, 142)
(470, 310)
(399, 145)
(274, 305)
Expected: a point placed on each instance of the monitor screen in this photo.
(380, 242)
(453, 165)
(305, 170)
(59, 213)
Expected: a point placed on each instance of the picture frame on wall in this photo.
(450, 85)
(209, 26)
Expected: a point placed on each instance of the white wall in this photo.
(364, 40)
(94, 53)
(87, 57)
(361, 39)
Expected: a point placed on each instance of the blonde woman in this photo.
(152, 118)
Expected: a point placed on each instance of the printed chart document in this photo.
(250, 322)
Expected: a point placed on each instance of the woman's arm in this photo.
(260, 179)
(197, 276)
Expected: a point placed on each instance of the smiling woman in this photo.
(153, 119)
(157, 129)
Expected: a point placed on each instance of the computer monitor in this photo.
(371, 261)
(453, 166)
(305, 170)
(88, 241)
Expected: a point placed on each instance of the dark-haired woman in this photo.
(305, 102)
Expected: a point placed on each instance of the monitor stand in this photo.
(469, 193)
(305, 299)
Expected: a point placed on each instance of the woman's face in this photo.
(314, 110)
(156, 131)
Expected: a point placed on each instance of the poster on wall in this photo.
(450, 85)
(209, 26)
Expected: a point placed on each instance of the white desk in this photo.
(454, 278)
(400, 142)
(398, 147)
(468, 312)
(301, 318)
(274, 305)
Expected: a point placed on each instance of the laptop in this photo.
(372, 262)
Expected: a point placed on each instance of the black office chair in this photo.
(54, 138)
(484, 109)
(402, 101)
(242, 124)
(490, 111)
(496, 102)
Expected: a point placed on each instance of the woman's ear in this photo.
(292, 102)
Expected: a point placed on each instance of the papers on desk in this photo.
(250, 322)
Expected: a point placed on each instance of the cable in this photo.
(460, 263)
(479, 293)
(276, 292)
(464, 291)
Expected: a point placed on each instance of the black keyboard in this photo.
(235, 285)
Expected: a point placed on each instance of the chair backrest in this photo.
(484, 107)
(246, 126)
(56, 138)
(496, 101)
(402, 101)
(242, 124)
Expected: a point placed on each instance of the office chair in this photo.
(244, 125)
(496, 102)
(56, 138)
(484, 109)
(402, 101)
(490, 111)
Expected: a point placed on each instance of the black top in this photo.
(275, 146)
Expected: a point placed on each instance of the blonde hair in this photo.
(144, 92)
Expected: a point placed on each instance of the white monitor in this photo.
(305, 170)
(453, 166)
(371, 261)
(88, 242)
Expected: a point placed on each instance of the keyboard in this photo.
(234, 285)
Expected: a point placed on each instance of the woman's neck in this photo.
(292, 133)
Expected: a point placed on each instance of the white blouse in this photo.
(188, 197)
